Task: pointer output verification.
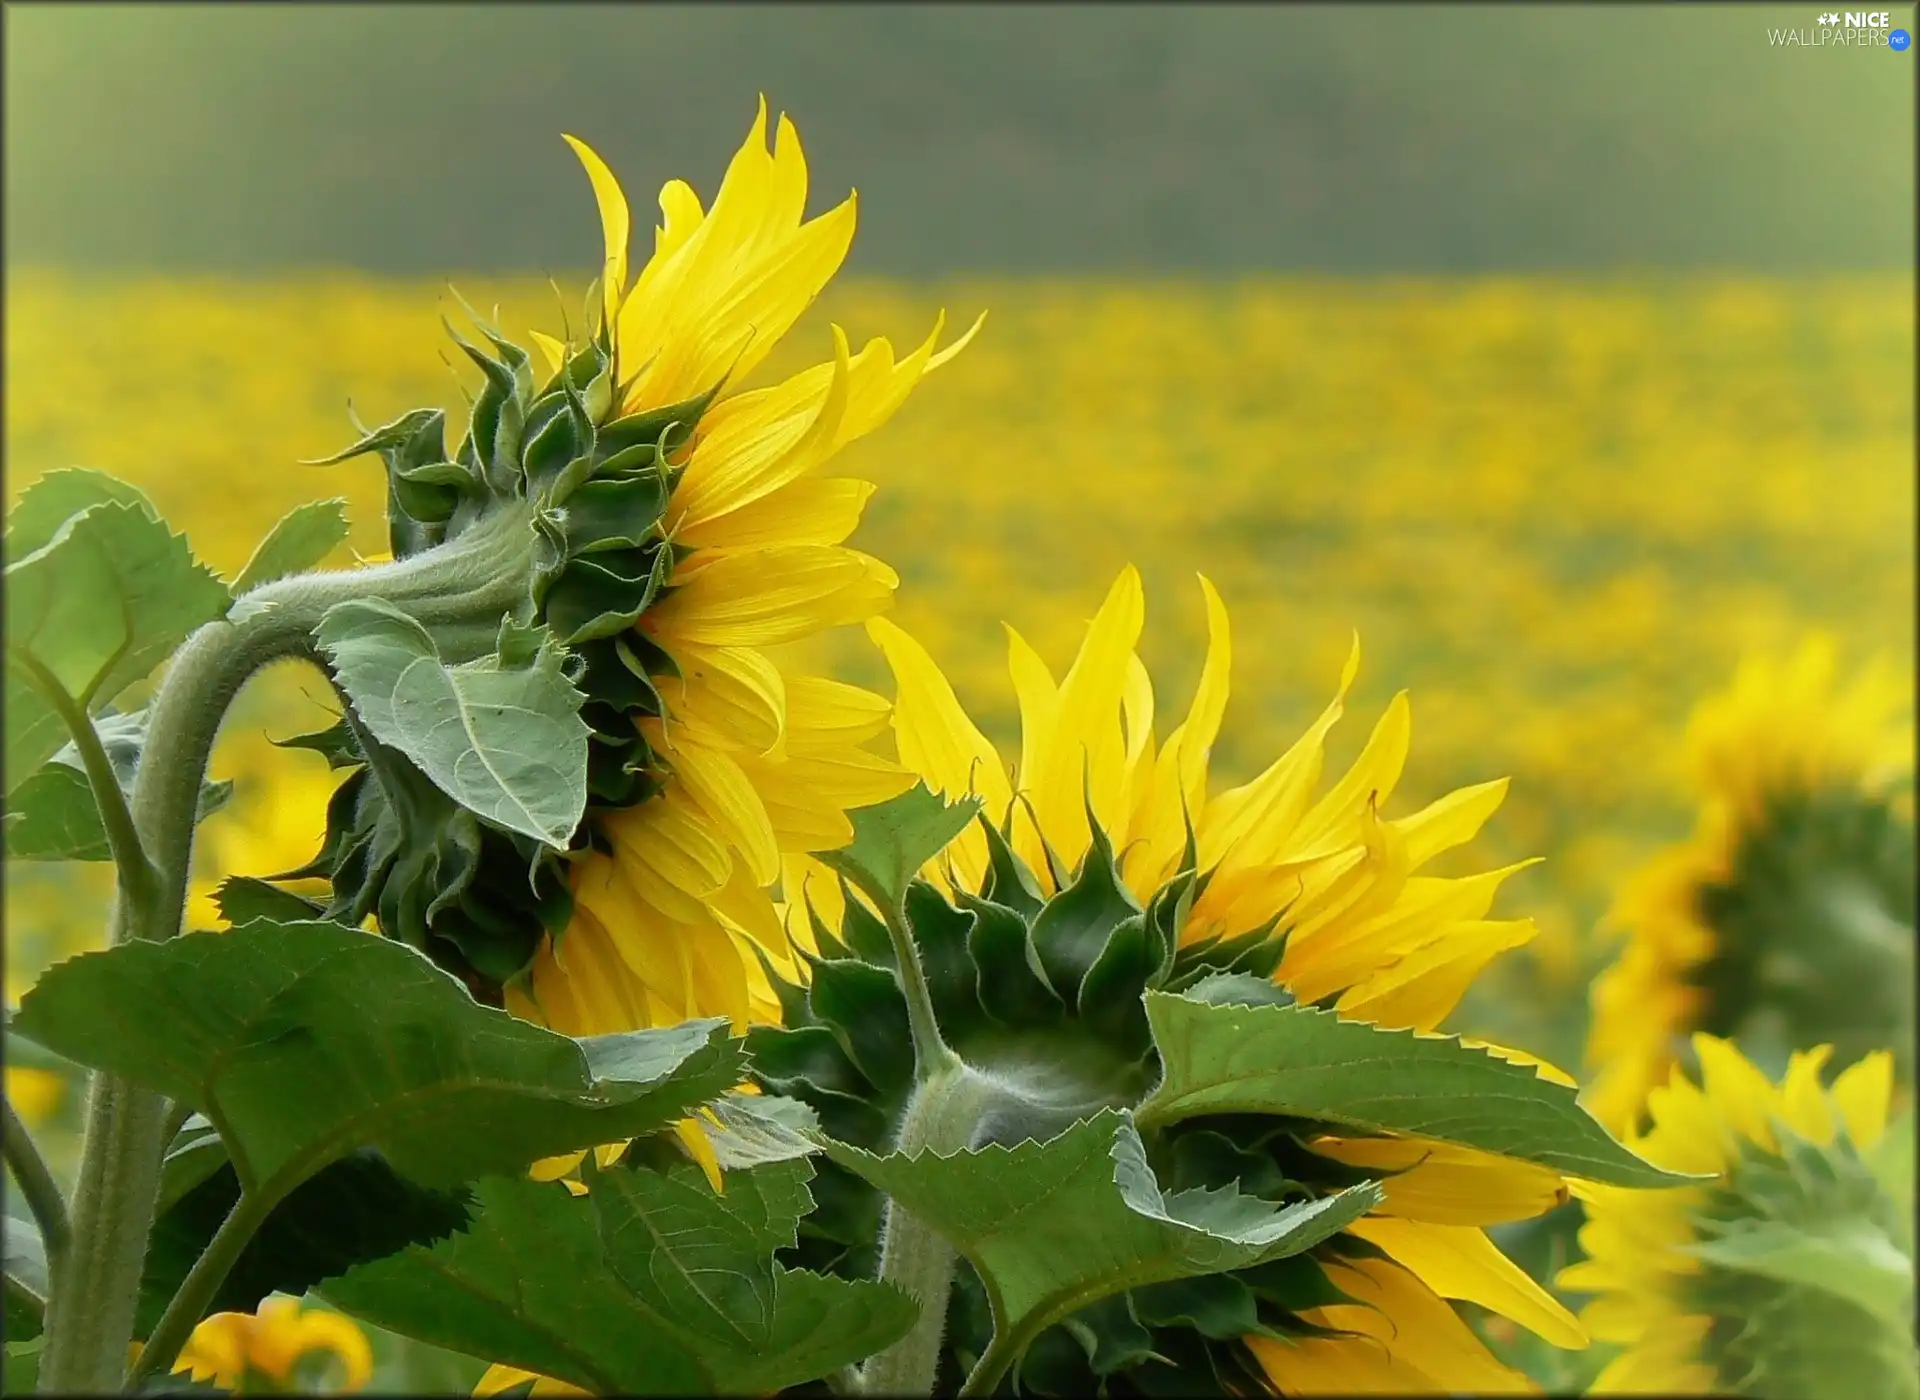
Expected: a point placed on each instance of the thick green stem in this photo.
(197, 1290)
(481, 575)
(940, 1117)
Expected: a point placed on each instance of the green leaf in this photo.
(648, 1285)
(354, 1211)
(103, 601)
(53, 816)
(1850, 1258)
(298, 542)
(751, 1130)
(1891, 1162)
(305, 1041)
(1300, 1062)
(26, 1274)
(242, 899)
(893, 840)
(507, 743)
(22, 1374)
(1052, 1226)
(56, 498)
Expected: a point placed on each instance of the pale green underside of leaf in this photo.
(1053, 1226)
(299, 540)
(304, 1041)
(649, 1285)
(507, 743)
(95, 602)
(1301, 1062)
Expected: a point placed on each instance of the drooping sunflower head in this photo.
(1783, 1277)
(1104, 866)
(1787, 918)
(680, 528)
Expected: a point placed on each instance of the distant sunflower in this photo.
(749, 761)
(1787, 919)
(1323, 874)
(1674, 1267)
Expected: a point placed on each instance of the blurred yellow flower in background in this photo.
(1785, 1156)
(1787, 917)
(240, 1351)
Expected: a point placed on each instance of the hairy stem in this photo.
(483, 574)
(931, 1055)
(197, 1290)
(42, 1192)
(940, 1117)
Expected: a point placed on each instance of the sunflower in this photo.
(1787, 917)
(754, 761)
(268, 1349)
(1320, 892)
(1675, 1268)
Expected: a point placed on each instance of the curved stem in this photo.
(130, 859)
(932, 1056)
(29, 1168)
(197, 1290)
(1001, 1353)
(483, 573)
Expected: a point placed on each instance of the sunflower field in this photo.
(1009, 902)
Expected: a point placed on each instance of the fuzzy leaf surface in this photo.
(1053, 1226)
(893, 839)
(648, 1285)
(103, 600)
(299, 540)
(1299, 1062)
(505, 742)
(305, 1041)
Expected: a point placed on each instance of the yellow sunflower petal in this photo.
(1459, 1261)
(1861, 1096)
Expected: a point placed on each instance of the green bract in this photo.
(1123, 1156)
(1814, 932)
(1805, 1276)
(466, 799)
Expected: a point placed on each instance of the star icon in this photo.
(1830, 18)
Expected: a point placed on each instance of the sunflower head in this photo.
(660, 527)
(1041, 929)
(1788, 1275)
(1787, 919)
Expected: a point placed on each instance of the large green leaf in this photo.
(304, 1041)
(107, 596)
(1053, 1226)
(502, 737)
(56, 498)
(299, 541)
(648, 1285)
(1300, 1062)
(892, 840)
(26, 1272)
(53, 815)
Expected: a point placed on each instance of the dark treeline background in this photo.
(1031, 138)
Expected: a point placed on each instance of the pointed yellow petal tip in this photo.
(954, 349)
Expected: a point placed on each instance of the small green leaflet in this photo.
(298, 542)
(304, 1041)
(1053, 1226)
(106, 596)
(893, 839)
(648, 1285)
(504, 741)
(1300, 1062)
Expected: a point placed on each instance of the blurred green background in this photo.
(1033, 138)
